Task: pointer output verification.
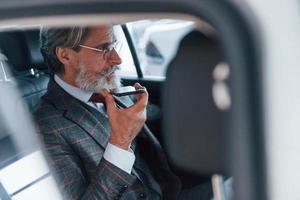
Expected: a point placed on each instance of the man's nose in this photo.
(114, 58)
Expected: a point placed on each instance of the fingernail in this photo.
(104, 92)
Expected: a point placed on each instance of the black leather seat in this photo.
(194, 127)
(32, 88)
(27, 67)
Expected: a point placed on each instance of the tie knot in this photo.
(97, 98)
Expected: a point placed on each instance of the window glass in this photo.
(156, 42)
(127, 68)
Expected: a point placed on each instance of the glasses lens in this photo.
(118, 46)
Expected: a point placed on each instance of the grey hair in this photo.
(50, 38)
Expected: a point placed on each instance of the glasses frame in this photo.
(105, 51)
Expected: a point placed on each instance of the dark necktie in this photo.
(97, 98)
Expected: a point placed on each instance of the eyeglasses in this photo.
(117, 45)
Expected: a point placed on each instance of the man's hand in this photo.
(126, 123)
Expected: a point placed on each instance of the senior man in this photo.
(97, 149)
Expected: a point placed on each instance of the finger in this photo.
(141, 103)
(137, 86)
(139, 96)
(109, 101)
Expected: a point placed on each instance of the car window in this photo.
(156, 42)
(127, 68)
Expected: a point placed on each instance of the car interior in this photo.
(25, 69)
(26, 64)
(188, 104)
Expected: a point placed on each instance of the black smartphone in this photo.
(126, 90)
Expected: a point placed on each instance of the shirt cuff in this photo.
(119, 157)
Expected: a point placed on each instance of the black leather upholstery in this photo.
(32, 88)
(14, 47)
(193, 126)
(22, 50)
(36, 58)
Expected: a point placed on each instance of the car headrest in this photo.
(13, 45)
(36, 58)
(22, 49)
(193, 126)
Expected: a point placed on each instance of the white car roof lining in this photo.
(97, 19)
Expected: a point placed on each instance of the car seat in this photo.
(193, 126)
(25, 62)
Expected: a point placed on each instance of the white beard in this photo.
(97, 82)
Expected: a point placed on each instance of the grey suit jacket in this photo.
(75, 136)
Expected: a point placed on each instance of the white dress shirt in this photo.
(119, 157)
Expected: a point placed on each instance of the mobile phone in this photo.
(126, 90)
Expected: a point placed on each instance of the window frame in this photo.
(132, 49)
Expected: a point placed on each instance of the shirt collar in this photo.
(76, 92)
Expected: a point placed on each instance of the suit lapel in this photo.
(84, 118)
(79, 113)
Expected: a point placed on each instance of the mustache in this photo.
(111, 70)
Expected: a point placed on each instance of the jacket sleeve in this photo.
(109, 181)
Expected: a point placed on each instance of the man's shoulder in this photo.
(46, 114)
(44, 108)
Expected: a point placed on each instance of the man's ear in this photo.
(65, 56)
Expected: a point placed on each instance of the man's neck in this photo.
(76, 92)
(68, 78)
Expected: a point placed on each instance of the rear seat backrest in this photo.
(33, 44)
(22, 51)
(14, 47)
